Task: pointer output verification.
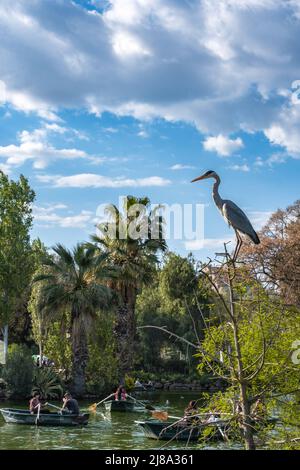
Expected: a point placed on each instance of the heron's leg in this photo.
(235, 251)
(238, 246)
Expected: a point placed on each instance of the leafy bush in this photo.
(3, 388)
(57, 346)
(129, 383)
(47, 383)
(102, 365)
(18, 371)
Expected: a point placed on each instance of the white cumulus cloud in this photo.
(180, 166)
(208, 243)
(212, 63)
(50, 217)
(222, 145)
(244, 167)
(35, 146)
(91, 180)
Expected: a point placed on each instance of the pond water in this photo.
(104, 431)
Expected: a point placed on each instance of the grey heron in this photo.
(232, 214)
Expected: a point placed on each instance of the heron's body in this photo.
(233, 215)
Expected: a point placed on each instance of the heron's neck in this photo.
(215, 193)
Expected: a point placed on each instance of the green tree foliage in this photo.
(16, 198)
(178, 277)
(252, 351)
(131, 240)
(172, 301)
(58, 347)
(74, 283)
(101, 370)
(287, 435)
(47, 383)
(102, 367)
(40, 320)
(18, 371)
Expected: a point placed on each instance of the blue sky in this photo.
(103, 99)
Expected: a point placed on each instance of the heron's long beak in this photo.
(203, 177)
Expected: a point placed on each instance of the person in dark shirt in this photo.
(70, 404)
(35, 403)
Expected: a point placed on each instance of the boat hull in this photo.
(155, 429)
(122, 405)
(15, 416)
(166, 432)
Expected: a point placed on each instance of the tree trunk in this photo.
(124, 330)
(5, 343)
(40, 345)
(40, 354)
(246, 420)
(79, 361)
(246, 427)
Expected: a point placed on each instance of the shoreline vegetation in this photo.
(168, 386)
(124, 310)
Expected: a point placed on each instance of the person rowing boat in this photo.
(190, 413)
(70, 405)
(120, 393)
(35, 403)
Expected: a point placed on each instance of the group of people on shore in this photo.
(70, 405)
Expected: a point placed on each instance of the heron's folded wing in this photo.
(237, 218)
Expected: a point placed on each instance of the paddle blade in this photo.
(93, 407)
(149, 407)
(160, 415)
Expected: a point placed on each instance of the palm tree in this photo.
(75, 282)
(132, 241)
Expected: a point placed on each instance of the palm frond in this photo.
(64, 254)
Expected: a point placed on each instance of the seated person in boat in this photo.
(258, 411)
(70, 405)
(190, 413)
(212, 417)
(35, 403)
(120, 393)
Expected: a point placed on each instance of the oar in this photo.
(38, 414)
(53, 406)
(147, 407)
(93, 407)
(164, 415)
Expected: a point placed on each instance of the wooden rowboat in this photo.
(178, 432)
(119, 405)
(16, 416)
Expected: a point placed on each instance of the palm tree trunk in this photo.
(124, 330)
(79, 361)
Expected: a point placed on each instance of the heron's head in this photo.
(207, 174)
